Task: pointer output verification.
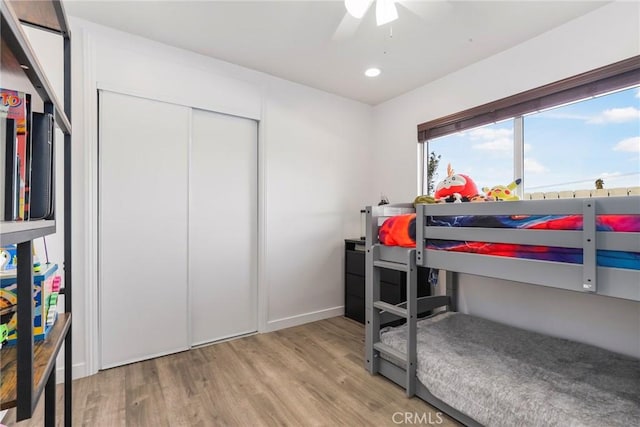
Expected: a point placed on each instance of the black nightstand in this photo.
(392, 287)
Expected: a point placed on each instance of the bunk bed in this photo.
(485, 373)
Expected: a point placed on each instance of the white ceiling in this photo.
(315, 43)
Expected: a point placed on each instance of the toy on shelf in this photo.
(46, 286)
(8, 259)
(52, 310)
(4, 334)
(502, 192)
(8, 318)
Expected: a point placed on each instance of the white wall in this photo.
(316, 183)
(606, 35)
(313, 150)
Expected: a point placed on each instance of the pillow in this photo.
(399, 230)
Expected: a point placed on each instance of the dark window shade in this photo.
(612, 77)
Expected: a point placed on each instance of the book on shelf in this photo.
(15, 167)
(9, 199)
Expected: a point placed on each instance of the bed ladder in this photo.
(375, 307)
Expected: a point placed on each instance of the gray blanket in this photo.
(504, 376)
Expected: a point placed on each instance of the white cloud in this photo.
(497, 140)
(488, 133)
(527, 148)
(616, 115)
(638, 93)
(629, 144)
(495, 145)
(562, 115)
(533, 166)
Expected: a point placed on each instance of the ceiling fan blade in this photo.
(357, 8)
(386, 11)
(347, 28)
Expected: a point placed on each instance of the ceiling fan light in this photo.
(357, 8)
(386, 11)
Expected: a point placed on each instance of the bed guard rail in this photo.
(588, 239)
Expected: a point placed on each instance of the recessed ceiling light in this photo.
(372, 72)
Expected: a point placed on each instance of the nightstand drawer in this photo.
(355, 262)
(392, 293)
(392, 276)
(354, 285)
(354, 308)
(389, 292)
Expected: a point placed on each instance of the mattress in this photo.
(604, 223)
(504, 376)
(401, 231)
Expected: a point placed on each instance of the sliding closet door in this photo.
(143, 203)
(222, 226)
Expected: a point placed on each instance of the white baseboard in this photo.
(301, 319)
(79, 370)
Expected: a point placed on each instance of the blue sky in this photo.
(566, 148)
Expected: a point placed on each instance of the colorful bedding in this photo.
(401, 231)
(626, 223)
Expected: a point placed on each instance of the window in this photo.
(574, 134)
(485, 154)
(570, 147)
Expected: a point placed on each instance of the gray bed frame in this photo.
(587, 277)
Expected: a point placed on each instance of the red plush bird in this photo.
(456, 187)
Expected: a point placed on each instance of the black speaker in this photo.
(41, 197)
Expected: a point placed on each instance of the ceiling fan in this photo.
(385, 9)
(386, 12)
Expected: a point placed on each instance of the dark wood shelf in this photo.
(46, 14)
(44, 358)
(14, 37)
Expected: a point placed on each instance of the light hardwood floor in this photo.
(310, 375)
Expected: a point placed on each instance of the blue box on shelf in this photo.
(44, 293)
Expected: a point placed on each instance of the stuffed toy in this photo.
(424, 200)
(501, 192)
(456, 188)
